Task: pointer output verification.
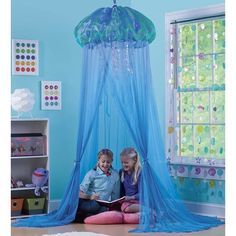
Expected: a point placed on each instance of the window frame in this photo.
(170, 98)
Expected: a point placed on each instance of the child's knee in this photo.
(124, 206)
(126, 210)
(130, 208)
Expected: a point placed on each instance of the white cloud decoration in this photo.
(22, 100)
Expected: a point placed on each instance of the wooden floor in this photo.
(111, 230)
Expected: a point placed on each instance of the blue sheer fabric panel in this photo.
(161, 210)
(117, 109)
(93, 77)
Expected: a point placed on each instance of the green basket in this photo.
(33, 206)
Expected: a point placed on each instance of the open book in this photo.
(111, 204)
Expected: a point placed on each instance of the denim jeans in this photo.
(90, 206)
(87, 208)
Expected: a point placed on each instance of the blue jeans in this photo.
(87, 208)
(90, 206)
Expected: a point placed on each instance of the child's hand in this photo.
(128, 198)
(94, 196)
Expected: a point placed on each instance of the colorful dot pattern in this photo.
(51, 95)
(24, 57)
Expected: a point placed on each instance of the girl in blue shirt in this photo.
(102, 182)
(130, 179)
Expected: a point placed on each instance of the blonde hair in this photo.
(106, 152)
(132, 154)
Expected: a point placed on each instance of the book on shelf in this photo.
(115, 204)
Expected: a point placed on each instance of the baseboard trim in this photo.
(195, 207)
(54, 204)
(207, 209)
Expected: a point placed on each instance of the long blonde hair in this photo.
(132, 154)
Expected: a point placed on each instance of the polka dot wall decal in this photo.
(212, 183)
(220, 194)
(181, 169)
(25, 52)
(197, 170)
(50, 95)
(220, 172)
(212, 171)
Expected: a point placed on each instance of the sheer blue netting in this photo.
(117, 109)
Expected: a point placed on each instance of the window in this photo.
(196, 91)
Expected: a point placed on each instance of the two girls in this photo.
(103, 182)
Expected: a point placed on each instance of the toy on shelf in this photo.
(13, 183)
(39, 179)
(19, 184)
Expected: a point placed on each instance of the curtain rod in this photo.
(197, 19)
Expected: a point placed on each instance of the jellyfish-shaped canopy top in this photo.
(120, 24)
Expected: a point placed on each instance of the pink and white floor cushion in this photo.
(113, 217)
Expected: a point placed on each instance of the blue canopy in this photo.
(117, 109)
(116, 24)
